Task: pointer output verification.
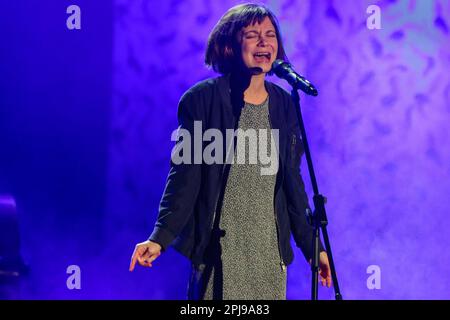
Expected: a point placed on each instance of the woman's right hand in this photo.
(145, 253)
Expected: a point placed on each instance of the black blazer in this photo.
(192, 195)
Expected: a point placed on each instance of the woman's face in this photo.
(259, 45)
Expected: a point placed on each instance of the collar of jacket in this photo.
(274, 100)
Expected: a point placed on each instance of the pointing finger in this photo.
(133, 262)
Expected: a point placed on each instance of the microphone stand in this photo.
(318, 220)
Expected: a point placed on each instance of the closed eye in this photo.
(251, 34)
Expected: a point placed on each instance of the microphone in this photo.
(285, 71)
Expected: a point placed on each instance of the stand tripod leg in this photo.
(337, 291)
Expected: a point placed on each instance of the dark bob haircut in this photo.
(223, 50)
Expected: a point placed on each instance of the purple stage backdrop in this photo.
(86, 118)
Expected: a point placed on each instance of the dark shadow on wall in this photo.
(55, 100)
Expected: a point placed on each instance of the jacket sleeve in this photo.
(183, 181)
(297, 199)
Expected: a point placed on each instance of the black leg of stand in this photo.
(318, 219)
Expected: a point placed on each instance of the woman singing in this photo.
(233, 219)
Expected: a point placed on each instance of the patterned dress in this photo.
(250, 257)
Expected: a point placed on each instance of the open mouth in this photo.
(262, 56)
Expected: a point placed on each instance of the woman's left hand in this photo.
(324, 269)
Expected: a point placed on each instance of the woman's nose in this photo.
(262, 41)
